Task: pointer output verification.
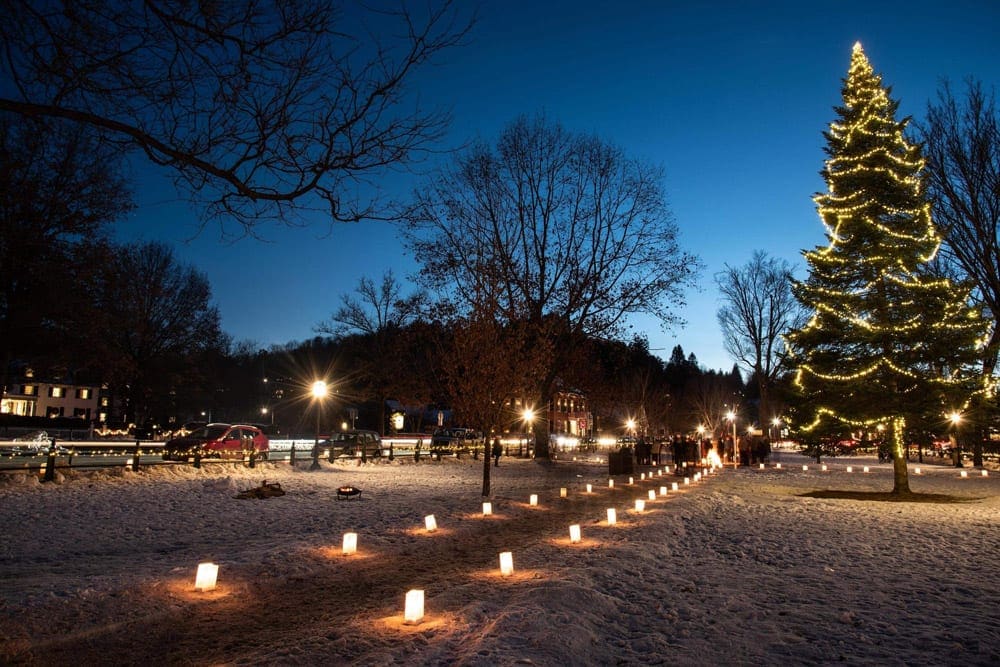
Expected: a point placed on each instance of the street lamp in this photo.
(731, 416)
(528, 416)
(956, 418)
(776, 423)
(319, 392)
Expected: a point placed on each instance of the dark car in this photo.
(354, 442)
(217, 441)
(451, 440)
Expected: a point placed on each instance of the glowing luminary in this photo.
(986, 473)
(805, 468)
(823, 467)
(850, 468)
(205, 578)
(430, 523)
(761, 466)
(413, 611)
(611, 483)
(865, 469)
(778, 466)
(487, 509)
(642, 477)
(506, 563)
(674, 486)
(663, 490)
(697, 477)
(964, 473)
(687, 480)
(562, 492)
(612, 516)
(916, 471)
(651, 495)
(350, 543)
(590, 488)
(631, 480)
(640, 504)
(574, 533)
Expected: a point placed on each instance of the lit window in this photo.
(104, 402)
(83, 394)
(30, 390)
(57, 392)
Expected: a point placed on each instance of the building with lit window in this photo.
(27, 396)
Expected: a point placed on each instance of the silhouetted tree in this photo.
(962, 147)
(255, 107)
(758, 309)
(152, 318)
(578, 235)
(58, 188)
(380, 314)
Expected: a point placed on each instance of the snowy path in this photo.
(740, 569)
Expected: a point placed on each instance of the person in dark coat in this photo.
(496, 451)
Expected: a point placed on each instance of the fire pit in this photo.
(347, 492)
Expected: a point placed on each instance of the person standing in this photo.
(496, 451)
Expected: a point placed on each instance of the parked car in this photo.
(217, 441)
(454, 439)
(354, 442)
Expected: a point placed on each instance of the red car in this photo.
(218, 441)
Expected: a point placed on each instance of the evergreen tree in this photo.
(889, 344)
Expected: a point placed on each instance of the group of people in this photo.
(751, 450)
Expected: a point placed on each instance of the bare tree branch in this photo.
(962, 148)
(259, 108)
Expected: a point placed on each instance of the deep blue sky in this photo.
(730, 97)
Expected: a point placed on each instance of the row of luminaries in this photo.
(207, 575)
(916, 470)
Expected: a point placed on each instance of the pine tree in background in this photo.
(889, 345)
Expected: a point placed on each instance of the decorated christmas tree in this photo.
(891, 345)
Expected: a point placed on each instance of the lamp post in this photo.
(956, 418)
(731, 416)
(701, 441)
(529, 417)
(319, 392)
(776, 423)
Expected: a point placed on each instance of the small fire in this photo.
(713, 459)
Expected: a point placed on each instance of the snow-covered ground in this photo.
(739, 569)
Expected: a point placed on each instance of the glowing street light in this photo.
(319, 392)
(731, 416)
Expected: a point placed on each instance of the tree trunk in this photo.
(900, 473)
(486, 468)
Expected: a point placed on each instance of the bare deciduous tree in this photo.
(376, 309)
(758, 309)
(379, 313)
(490, 363)
(962, 148)
(151, 316)
(577, 236)
(58, 188)
(257, 107)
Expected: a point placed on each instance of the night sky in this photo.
(730, 97)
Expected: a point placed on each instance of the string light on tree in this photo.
(890, 341)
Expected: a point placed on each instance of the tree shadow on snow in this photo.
(889, 497)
